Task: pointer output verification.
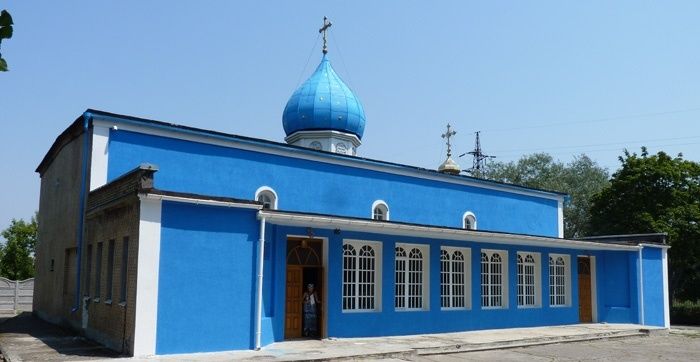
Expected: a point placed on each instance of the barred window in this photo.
(409, 268)
(494, 283)
(558, 280)
(528, 279)
(360, 279)
(454, 278)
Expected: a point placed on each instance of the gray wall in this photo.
(16, 295)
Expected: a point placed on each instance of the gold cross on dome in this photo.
(448, 135)
(324, 29)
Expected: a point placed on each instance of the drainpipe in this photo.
(81, 221)
(259, 294)
(641, 287)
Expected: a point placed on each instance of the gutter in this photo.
(87, 116)
(641, 286)
(259, 284)
(201, 201)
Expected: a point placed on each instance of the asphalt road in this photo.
(679, 345)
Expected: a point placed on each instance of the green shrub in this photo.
(685, 313)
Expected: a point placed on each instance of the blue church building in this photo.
(157, 238)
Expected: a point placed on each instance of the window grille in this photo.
(557, 281)
(492, 278)
(359, 277)
(453, 283)
(527, 280)
(409, 267)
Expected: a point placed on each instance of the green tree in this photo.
(17, 254)
(581, 179)
(5, 33)
(656, 193)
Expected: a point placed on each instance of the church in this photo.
(158, 238)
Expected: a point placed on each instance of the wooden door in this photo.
(293, 314)
(585, 311)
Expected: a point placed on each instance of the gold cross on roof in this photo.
(448, 135)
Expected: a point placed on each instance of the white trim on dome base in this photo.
(326, 140)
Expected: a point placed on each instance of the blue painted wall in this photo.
(616, 277)
(391, 322)
(652, 268)
(324, 188)
(206, 279)
(207, 285)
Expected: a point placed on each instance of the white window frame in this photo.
(533, 281)
(270, 191)
(357, 287)
(472, 218)
(409, 275)
(448, 285)
(487, 300)
(556, 299)
(384, 208)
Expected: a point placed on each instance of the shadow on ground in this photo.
(28, 338)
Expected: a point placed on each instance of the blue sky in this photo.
(562, 77)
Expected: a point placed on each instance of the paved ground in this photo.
(25, 338)
(676, 346)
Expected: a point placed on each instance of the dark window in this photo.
(98, 270)
(123, 271)
(110, 269)
(88, 270)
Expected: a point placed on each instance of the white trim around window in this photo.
(380, 210)
(362, 276)
(529, 283)
(267, 195)
(469, 221)
(455, 278)
(411, 277)
(494, 279)
(559, 280)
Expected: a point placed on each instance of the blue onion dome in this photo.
(324, 102)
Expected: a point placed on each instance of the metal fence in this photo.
(16, 295)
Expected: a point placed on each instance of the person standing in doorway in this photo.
(311, 307)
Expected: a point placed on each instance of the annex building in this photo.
(157, 238)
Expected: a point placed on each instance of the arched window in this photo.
(528, 279)
(469, 221)
(267, 197)
(558, 280)
(455, 278)
(409, 268)
(380, 211)
(361, 289)
(494, 283)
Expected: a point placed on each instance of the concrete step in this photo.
(474, 347)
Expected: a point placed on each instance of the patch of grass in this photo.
(685, 313)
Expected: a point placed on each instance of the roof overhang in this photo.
(426, 231)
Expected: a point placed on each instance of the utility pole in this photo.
(479, 163)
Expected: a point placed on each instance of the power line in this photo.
(595, 120)
(597, 144)
(608, 149)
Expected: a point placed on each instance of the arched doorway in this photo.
(304, 266)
